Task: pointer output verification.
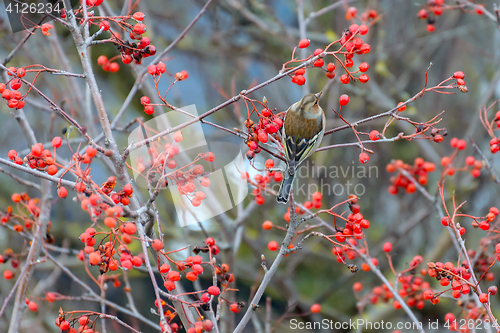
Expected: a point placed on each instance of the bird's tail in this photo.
(285, 188)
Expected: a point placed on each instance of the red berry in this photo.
(139, 28)
(363, 29)
(344, 100)
(402, 108)
(37, 150)
(83, 320)
(149, 109)
(363, 78)
(483, 298)
(363, 67)
(64, 325)
(161, 68)
(152, 69)
(102, 60)
(315, 308)
(354, 28)
(364, 158)
(304, 43)
(210, 241)
(56, 142)
(157, 245)
(459, 75)
(387, 247)
(32, 306)
(12, 154)
(272, 246)
(300, 71)
(104, 25)
(422, 14)
(344, 78)
(91, 151)
(319, 63)
(127, 58)
(21, 72)
(235, 308)
(145, 100)
(139, 16)
(318, 51)
(213, 290)
(267, 225)
(461, 144)
(15, 84)
(374, 135)
(299, 79)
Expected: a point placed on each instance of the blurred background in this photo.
(236, 44)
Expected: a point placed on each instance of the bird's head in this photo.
(311, 102)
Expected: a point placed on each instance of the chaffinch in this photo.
(302, 133)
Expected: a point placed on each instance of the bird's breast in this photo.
(301, 127)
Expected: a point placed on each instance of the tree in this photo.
(69, 103)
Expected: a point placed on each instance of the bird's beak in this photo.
(318, 95)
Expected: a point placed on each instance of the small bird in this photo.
(302, 133)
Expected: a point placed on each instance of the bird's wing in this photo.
(297, 151)
(305, 147)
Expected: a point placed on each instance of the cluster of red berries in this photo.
(484, 260)
(194, 264)
(123, 195)
(471, 164)
(352, 13)
(411, 287)
(495, 142)
(352, 46)
(449, 275)
(184, 178)
(41, 159)
(28, 209)
(86, 324)
(268, 225)
(108, 65)
(9, 255)
(185, 181)
(104, 255)
(419, 171)
(445, 221)
(435, 8)
(136, 51)
(355, 224)
(459, 76)
(261, 181)
(268, 125)
(14, 98)
(201, 326)
(130, 51)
